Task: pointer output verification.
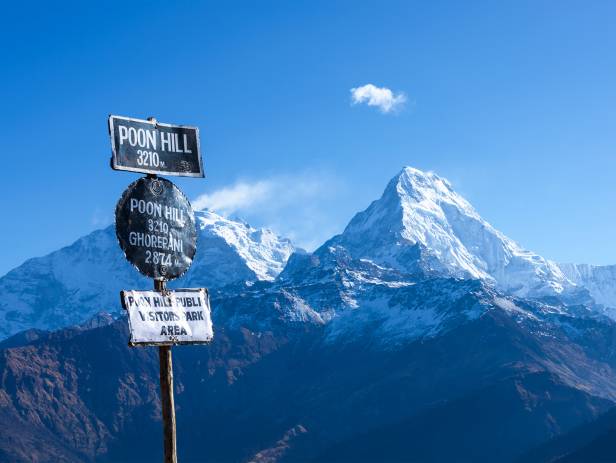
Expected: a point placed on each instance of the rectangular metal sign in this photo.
(181, 316)
(154, 148)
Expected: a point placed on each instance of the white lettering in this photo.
(148, 207)
(123, 133)
(173, 213)
(186, 150)
(151, 134)
(132, 136)
(141, 137)
(165, 139)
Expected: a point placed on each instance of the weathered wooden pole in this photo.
(166, 395)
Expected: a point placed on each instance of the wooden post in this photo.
(166, 395)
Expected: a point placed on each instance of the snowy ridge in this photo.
(599, 280)
(418, 260)
(421, 219)
(264, 252)
(68, 286)
(71, 285)
(404, 268)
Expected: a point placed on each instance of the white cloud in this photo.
(296, 206)
(381, 97)
(231, 199)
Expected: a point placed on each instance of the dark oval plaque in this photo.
(155, 226)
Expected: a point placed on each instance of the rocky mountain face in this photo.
(592, 441)
(483, 388)
(418, 334)
(71, 285)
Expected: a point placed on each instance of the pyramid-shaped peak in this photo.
(413, 187)
(411, 179)
(421, 220)
(412, 174)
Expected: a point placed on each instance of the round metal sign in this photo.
(155, 226)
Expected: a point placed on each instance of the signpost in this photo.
(175, 317)
(154, 148)
(155, 226)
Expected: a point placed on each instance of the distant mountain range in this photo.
(420, 333)
(71, 285)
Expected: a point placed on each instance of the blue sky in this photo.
(513, 102)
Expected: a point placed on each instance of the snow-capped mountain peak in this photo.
(426, 190)
(262, 251)
(421, 221)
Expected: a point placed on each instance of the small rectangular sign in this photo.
(154, 148)
(181, 316)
